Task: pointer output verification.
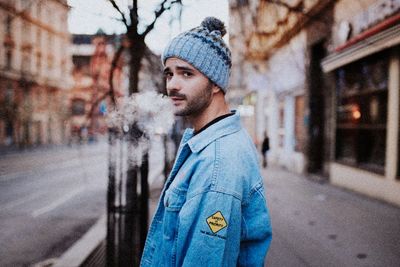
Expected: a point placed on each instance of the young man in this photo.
(212, 211)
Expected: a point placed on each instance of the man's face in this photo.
(189, 89)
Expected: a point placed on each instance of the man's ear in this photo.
(216, 89)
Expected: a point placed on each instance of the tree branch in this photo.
(163, 7)
(134, 15)
(114, 65)
(114, 4)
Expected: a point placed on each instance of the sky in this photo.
(87, 16)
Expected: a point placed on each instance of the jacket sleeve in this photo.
(256, 230)
(209, 230)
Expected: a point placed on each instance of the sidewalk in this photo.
(318, 224)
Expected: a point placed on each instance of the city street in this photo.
(48, 199)
(316, 84)
(322, 225)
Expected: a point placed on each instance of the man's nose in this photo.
(173, 84)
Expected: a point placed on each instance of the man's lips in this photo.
(176, 100)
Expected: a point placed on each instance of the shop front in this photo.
(365, 65)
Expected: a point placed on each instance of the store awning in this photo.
(380, 37)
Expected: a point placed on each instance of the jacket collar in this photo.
(221, 128)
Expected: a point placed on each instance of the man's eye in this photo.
(167, 75)
(187, 74)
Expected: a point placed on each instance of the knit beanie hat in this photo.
(204, 48)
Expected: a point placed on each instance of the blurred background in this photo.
(316, 83)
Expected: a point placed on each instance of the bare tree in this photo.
(136, 38)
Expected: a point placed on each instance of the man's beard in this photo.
(195, 104)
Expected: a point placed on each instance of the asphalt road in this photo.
(48, 200)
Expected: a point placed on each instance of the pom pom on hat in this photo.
(214, 24)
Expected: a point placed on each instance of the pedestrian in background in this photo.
(264, 149)
(212, 211)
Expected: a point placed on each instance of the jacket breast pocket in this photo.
(173, 202)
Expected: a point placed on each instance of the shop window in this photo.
(362, 91)
(78, 107)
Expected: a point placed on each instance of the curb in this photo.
(76, 255)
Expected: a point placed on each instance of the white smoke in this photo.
(151, 112)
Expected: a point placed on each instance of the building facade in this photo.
(277, 63)
(34, 72)
(89, 99)
(92, 57)
(326, 77)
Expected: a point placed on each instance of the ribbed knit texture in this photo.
(204, 48)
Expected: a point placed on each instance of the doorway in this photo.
(316, 149)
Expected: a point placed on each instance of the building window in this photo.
(8, 43)
(26, 62)
(240, 3)
(38, 63)
(362, 91)
(39, 10)
(38, 50)
(26, 48)
(9, 20)
(63, 67)
(9, 57)
(26, 32)
(78, 107)
(9, 95)
(299, 127)
(50, 63)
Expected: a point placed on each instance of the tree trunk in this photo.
(136, 50)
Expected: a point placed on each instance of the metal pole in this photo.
(144, 201)
(111, 216)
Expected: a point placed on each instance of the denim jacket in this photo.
(212, 211)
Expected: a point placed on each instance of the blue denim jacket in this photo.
(212, 211)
